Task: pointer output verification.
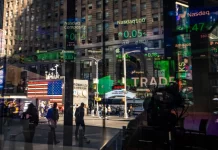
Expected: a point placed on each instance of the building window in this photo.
(89, 28)
(83, 8)
(98, 15)
(116, 12)
(99, 27)
(125, 11)
(133, 8)
(143, 6)
(98, 39)
(116, 37)
(89, 17)
(89, 40)
(107, 37)
(98, 4)
(115, 1)
(155, 17)
(154, 4)
(107, 15)
(106, 26)
(161, 3)
(155, 31)
(115, 25)
(161, 16)
(154, 44)
(90, 6)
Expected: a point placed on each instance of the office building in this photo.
(119, 30)
(37, 26)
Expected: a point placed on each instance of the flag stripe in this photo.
(48, 89)
(30, 84)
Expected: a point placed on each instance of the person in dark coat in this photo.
(29, 126)
(79, 114)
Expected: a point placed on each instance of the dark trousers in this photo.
(53, 134)
(28, 136)
(78, 124)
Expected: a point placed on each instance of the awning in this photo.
(119, 93)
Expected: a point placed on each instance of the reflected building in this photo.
(127, 22)
(1, 26)
(1, 13)
(34, 26)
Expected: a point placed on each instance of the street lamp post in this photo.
(56, 69)
(124, 79)
(97, 86)
(96, 62)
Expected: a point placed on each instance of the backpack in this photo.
(54, 115)
(77, 113)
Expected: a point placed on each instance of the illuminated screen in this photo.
(195, 20)
(1, 77)
(164, 68)
(132, 34)
(183, 44)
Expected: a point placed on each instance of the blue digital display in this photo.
(75, 20)
(1, 78)
(132, 47)
(203, 14)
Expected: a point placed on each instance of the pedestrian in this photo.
(29, 127)
(100, 111)
(109, 110)
(42, 108)
(11, 110)
(79, 114)
(53, 118)
(105, 111)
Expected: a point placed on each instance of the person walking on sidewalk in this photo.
(109, 110)
(53, 117)
(32, 118)
(79, 114)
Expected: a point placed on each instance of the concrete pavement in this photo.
(111, 121)
(94, 132)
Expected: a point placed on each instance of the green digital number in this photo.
(134, 33)
(139, 33)
(72, 36)
(202, 26)
(195, 27)
(187, 28)
(126, 34)
(149, 55)
(179, 28)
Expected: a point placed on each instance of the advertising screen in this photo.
(1, 78)
(183, 45)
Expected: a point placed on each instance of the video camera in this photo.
(163, 101)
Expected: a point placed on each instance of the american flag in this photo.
(45, 89)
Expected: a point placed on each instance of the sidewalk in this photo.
(95, 134)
